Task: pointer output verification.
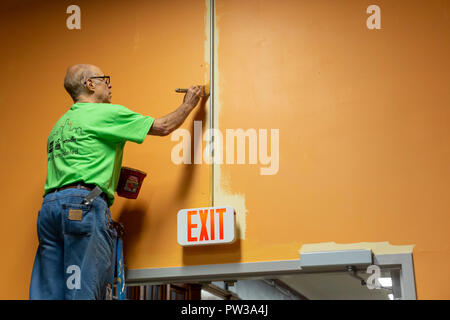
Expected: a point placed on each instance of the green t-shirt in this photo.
(86, 144)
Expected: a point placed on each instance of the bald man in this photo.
(76, 234)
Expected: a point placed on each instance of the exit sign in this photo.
(212, 225)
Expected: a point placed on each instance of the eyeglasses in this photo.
(107, 79)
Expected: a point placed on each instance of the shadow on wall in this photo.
(218, 254)
(133, 213)
(132, 216)
(189, 169)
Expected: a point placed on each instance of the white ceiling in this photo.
(333, 286)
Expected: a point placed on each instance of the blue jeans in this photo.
(75, 257)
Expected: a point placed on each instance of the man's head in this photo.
(83, 86)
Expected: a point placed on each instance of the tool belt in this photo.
(95, 191)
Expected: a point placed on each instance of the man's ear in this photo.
(90, 85)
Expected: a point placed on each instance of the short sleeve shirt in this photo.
(86, 144)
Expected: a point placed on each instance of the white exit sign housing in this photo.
(204, 226)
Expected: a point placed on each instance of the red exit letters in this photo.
(204, 214)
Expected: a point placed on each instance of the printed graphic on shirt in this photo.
(61, 140)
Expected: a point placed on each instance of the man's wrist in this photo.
(187, 106)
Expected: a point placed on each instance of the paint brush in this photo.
(205, 91)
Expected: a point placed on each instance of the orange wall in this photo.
(364, 126)
(362, 114)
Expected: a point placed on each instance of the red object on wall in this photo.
(130, 182)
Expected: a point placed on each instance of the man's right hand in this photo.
(167, 124)
(192, 96)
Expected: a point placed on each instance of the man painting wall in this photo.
(74, 259)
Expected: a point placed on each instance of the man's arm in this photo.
(165, 125)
